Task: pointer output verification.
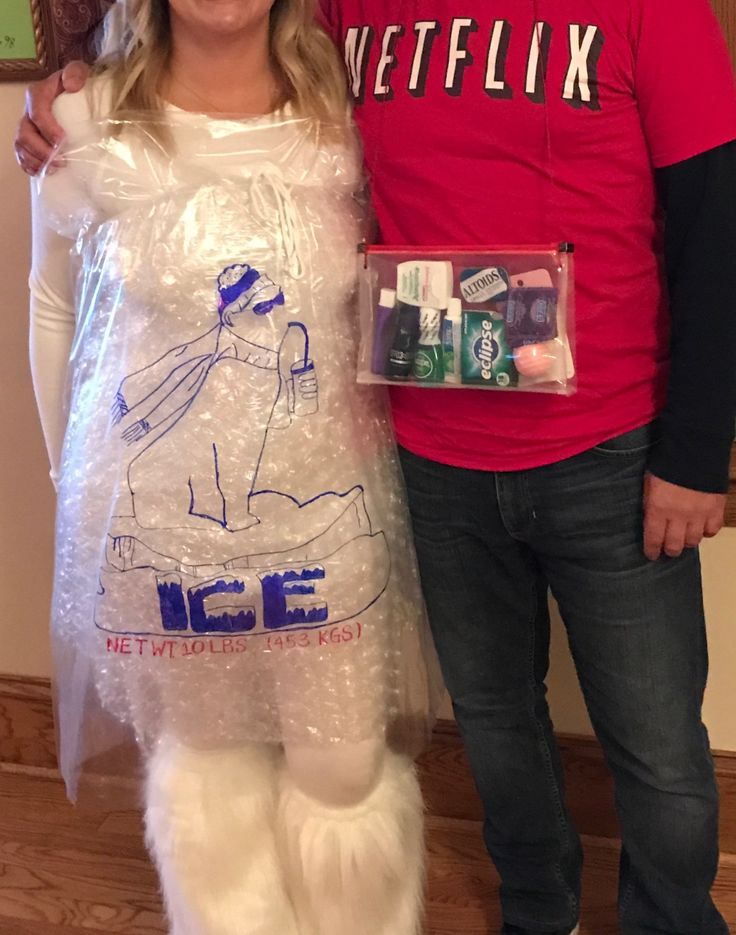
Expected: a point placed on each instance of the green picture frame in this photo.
(39, 36)
(26, 40)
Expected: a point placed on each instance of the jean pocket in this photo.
(631, 444)
(425, 477)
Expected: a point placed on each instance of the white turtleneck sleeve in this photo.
(51, 283)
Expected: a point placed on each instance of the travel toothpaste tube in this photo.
(451, 328)
(424, 283)
(486, 359)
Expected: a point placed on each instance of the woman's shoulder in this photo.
(64, 199)
(323, 152)
(80, 111)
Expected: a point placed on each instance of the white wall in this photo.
(26, 497)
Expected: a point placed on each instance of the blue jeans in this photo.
(490, 545)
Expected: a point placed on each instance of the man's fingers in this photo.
(39, 132)
(30, 144)
(32, 152)
(29, 160)
(40, 97)
(694, 535)
(655, 529)
(29, 164)
(677, 517)
(674, 539)
(74, 77)
(713, 525)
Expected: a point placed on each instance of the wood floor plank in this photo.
(64, 873)
(128, 868)
(27, 732)
(10, 926)
(79, 894)
(59, 873)
(41, 801)
(462, 886)
(122, 822)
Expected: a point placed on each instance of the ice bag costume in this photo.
(234, 561)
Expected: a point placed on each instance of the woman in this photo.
(235, 582)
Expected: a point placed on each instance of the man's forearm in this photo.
(699, 197)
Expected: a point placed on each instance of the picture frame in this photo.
(39, 36)
(26, 40)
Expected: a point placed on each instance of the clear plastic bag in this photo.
(234, 556)
(487, 318)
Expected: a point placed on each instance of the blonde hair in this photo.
(135, 51)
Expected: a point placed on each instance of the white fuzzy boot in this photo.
(356, 869)
(210, 827)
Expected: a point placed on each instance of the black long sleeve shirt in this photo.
(699, 200)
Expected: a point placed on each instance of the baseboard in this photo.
(27, 740)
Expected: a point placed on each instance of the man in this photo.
(586, 121)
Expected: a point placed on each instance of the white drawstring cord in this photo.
(286, 213)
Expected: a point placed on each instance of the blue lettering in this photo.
(230, 617)
(171, 603)
(277, 587)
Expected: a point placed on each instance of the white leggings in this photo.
(311, 841)
(340, 775)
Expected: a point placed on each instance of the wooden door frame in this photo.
(726, 11)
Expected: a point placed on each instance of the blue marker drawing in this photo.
(196, 393)
(193, 425)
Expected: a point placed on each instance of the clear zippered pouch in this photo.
(500, 318)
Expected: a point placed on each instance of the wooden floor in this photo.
(68, 873)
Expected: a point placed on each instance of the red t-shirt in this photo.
(474, 137)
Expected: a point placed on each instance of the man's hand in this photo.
(38, 132)
(676, 518)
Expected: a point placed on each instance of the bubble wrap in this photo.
(234, 559)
